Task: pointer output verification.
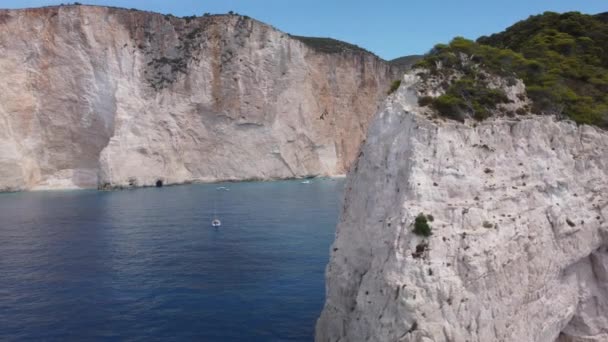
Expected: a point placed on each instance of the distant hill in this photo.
(603, 16)
(406, 62)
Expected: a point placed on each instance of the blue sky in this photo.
(389, 28)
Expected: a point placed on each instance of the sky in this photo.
(389, 28)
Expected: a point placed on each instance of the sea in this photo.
(146, 264)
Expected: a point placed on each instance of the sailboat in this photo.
(216, 223)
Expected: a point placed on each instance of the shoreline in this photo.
(193, 182)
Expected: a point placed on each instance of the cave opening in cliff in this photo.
(159, 183)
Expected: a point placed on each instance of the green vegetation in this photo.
(329, 45)
(562, 59)
(469, 95)
(394, 86)
(421, 226)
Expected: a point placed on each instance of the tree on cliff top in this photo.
(562, 59)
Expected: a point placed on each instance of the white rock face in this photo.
(519, 250)
(104, 97)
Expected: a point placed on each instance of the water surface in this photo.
(145, 264)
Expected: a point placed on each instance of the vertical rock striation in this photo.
(519, 244)
(104, 97)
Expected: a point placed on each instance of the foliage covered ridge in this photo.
(561, 58)
(330, 45)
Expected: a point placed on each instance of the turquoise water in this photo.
(145, 264)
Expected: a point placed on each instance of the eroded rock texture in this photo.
(104, 97)
(519, 250)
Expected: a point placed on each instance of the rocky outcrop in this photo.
(519, 244)
(104, 97)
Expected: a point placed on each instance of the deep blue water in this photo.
(144, 264)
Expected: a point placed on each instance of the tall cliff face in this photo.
(519, 244)
(94, 96)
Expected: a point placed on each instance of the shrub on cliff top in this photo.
(558, 56)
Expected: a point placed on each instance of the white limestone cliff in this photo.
(519, 244)
(103, 97)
